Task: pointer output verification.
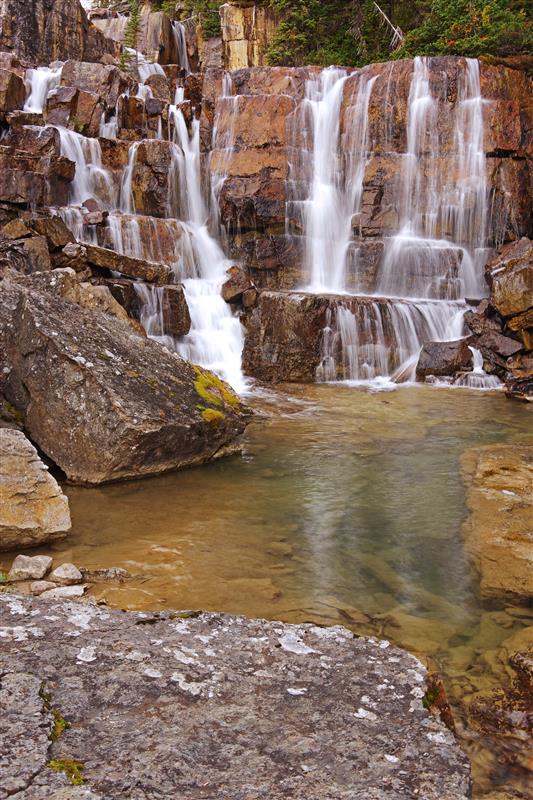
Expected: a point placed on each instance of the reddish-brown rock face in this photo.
(106, 81)
(45, 30)
(12, 92)
(258, 160)
(75, 109)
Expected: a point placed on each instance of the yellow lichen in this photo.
(214, 391)
(72, 769)
(212, 415)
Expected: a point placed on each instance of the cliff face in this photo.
(261, 150)
(42, 31)
(247, 30)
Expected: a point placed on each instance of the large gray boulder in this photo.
(101, 401)
(33, 509)
(201, 706)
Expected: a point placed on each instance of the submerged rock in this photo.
(209, 705)
(498, 530)
(33, 510)
(102, 402)
(29, 567)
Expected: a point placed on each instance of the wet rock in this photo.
(12, 92)
(175, 311)
(34, 510)
(38, 587)
(154, 181)
(34, 178)
(66, 575)
(522, 325)
(131, 116)
(133, 267)
(29, 567)
(103, 574)
(285, 333)
(41, 31)
(127, 406)
(54, 230)
(498, 529)
(65, 592)
(303, 707)
(444, 358)
(160, 87)
(237, 284)
(510, 276)
(519, 382)
(76, 109)
(104, 81)
(507, 714)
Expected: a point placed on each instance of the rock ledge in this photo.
(212, 706)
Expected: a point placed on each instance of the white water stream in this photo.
(435, 259)
(39, 83)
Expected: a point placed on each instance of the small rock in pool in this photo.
(38, 587)
(29, 567)
(65, 592)
(66, 575)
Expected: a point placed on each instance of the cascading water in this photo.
(440, 244)
(40, 82)
(91, 179)
(477, 378)
(178, 29)
(216, 338)
(436, 257)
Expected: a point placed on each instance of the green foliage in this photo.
(167, 6)
(315, 32)
(132, 28)
(3, 578)
(207, 14)
(472, 28)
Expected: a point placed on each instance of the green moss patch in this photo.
(71, 768)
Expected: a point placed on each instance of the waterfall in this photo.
(439, 249)
(324, 221)
(178, 29)
(382, 339)
(335, 188)
(40, 82)
(216, 337)
(91, 179)
(126, 200)
(477, 378)
(435, 257)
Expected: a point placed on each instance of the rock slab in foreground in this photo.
(33, 509)
(215, 706)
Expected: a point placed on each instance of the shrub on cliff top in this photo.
(472, 28)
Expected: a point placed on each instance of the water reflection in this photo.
(346, 508)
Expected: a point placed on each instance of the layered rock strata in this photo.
(33, 510)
